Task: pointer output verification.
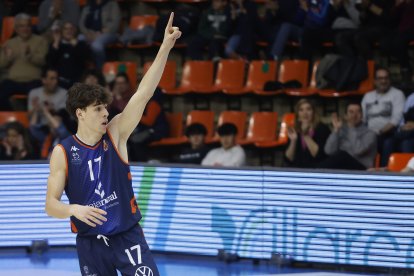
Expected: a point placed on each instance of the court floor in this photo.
(63, 262)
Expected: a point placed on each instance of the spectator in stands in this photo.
(152, 127)
(68, 55)
(382, 111)
(186, 18)
(229, 154)
(375, 24)
(310, 15)
(307, 139)
(50, 95)
(54, 12)
(197, 150)
(99, 23)
(16, 145)
(351, 146)
(213, 31)
(121, 92)
(397, 42)
(342, 16)
(49, 135)
(245, 21)
(94, 77)
(404, 136)
(276, 12)
(22, 57)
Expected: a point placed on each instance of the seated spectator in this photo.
(375, 24)
(276, 12)
(152, 127)
(16, 145)
(410, 167)
(404, 136)
(310, 15)
(68, 55)
(49, 135)
(22, 57)
(213, 31)
(50, 95)
(229, 154)
(340, 16)
(351, 146)
(382, 112)
(307, 139)
(397, 42)
(185, 18)
(54, 12)
(99, 24)
(197, 150)
(94, 77)
(121, 93)
(245, 21)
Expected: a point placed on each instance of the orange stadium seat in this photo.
(398, 161)
(12, 116)
(138, 22)
(111, 68)
(238, 118)
(196, 76)
(230, 75)
(168, 79)
(262, 127)
(204, 117)
(295, 70)
(288, 120)
(260, 71)
(176, 136)
(309, 90)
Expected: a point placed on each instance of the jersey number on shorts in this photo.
(139, 258)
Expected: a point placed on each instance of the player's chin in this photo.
(102, 129)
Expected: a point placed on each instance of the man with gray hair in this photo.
(22, 58)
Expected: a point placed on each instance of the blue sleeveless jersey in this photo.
(98, 177)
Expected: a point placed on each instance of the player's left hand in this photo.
(171, 33)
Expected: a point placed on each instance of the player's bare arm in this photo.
(123, 124)
(55, 186)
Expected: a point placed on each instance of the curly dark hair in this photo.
(82, 95)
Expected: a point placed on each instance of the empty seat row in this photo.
(230, 78)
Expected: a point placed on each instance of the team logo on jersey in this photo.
(144, 271)
(100, 192)
(75, 158)
(73, 148)
(105, 145)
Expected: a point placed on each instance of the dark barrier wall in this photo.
(360, 219)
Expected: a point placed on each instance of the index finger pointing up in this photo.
(170, 21)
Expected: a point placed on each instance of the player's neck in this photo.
(88, 136)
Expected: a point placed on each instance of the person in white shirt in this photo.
(410, 167)
(229, 154)
(382, 112)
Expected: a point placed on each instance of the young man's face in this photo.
(227, 141)
(94, 117)
(196, 140)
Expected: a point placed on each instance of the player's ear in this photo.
(79, 114)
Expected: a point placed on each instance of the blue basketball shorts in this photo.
(127, 252)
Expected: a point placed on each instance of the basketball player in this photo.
(92, 167)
